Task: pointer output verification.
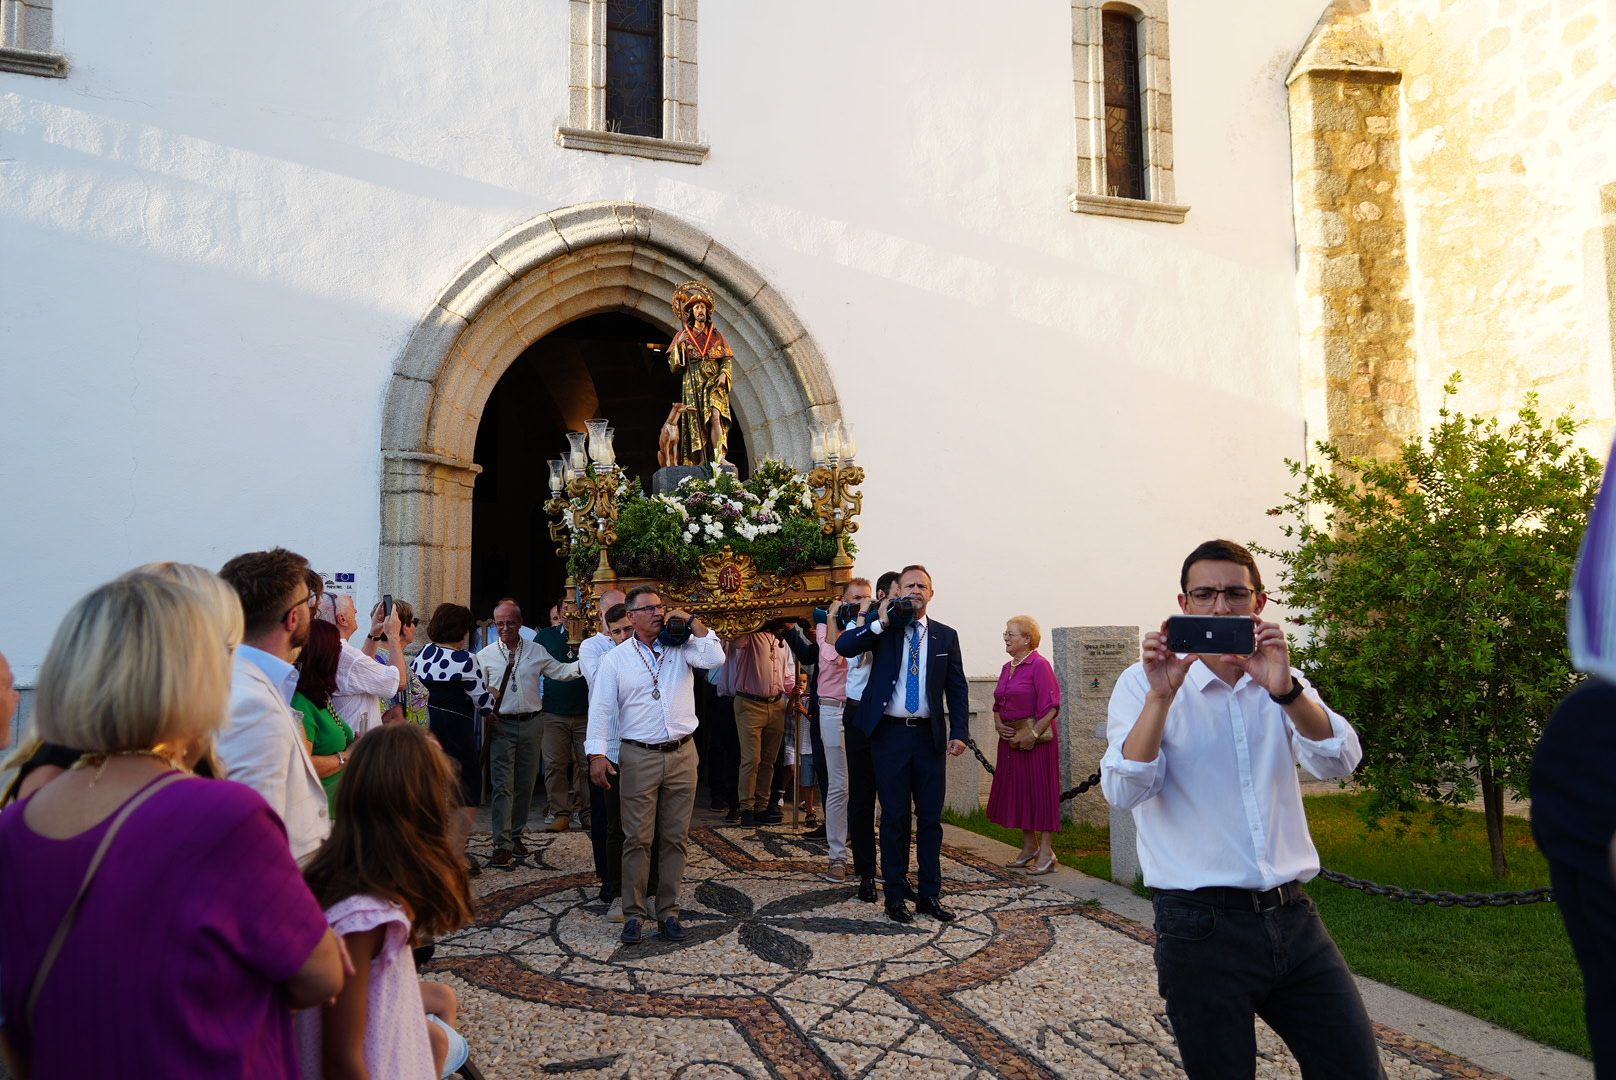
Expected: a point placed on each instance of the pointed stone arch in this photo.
(558, 267)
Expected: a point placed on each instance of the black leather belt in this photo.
(757, 697)
(659, 747)
(1223, 897)
(906, 721)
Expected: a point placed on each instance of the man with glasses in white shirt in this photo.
(1203, 750)
(643, 695)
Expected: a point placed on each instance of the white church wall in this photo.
(218, 234)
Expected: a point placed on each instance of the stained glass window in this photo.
(1124, 108)
(634, 67)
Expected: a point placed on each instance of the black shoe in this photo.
(748, 819)
(816, 833)
(671, 929)
(631, 934)
(519, 848)
(771, 816)
(930, 906)
(733, 815)
(717, 804)
(503, 860)
(900, 912)
(866, 890)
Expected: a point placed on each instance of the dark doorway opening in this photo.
(610, 365)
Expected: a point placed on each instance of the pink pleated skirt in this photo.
(1026, 788)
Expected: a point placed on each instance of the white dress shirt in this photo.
(1220, 804)
(592, 652)
(361, 684)
(524, 694)
(896, 707)
(621, 705)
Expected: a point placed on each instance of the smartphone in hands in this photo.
(387, 605)
(1212, 634)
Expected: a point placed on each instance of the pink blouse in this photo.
(1028, 693)
(396, 1042)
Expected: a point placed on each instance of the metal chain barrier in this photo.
(1092, 781)
(1416, 897)
(1441, 899)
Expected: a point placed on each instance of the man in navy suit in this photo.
(916, 669)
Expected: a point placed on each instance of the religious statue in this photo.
(700, 353)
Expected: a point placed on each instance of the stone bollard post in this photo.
(1088, 661)
(968, 782)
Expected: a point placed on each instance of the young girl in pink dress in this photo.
(392, 870)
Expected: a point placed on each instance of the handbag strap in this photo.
(72, 913)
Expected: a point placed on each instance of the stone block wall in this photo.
(1451, 163)
(1509, 135)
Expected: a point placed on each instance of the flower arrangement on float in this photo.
(770, 517)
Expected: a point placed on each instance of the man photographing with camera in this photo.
(1203, 750)
(916, 670)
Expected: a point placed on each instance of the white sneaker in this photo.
(615, 912)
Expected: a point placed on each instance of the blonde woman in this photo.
(195, 892)
(1026, 780)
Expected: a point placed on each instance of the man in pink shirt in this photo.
(763, 676)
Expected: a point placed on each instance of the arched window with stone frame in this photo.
(632, 84)
(1124, 122)
(27, 39)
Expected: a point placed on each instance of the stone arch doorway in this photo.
(550, 271)
(612, 364)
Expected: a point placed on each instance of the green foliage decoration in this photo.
(769, 516)
(1432, 590)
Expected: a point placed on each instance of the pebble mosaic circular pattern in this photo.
(786, 975)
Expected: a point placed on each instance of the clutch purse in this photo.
(1048, 735)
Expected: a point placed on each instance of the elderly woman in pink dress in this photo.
(1026, 780)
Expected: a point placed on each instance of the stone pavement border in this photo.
(1477, 1041)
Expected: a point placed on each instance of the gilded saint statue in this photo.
(699, 353)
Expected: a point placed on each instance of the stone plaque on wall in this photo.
(1088, 661)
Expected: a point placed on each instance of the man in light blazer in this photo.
(916, 670)
(262, 744)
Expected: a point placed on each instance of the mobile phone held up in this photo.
(1212, 634)
(387, 605)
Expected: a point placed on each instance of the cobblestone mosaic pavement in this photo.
(787, 975)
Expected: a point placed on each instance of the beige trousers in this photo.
(657, 794)
(564, 754)
(760, 728)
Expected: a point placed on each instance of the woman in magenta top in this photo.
(197, 936)
(1026, 780)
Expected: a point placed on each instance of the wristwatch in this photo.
(378, 637)
(1290, 695)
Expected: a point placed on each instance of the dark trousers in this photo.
(860, 793)
(723, 756)
(821, 772)
(611, 883)
(909, 766)
(1219, 967)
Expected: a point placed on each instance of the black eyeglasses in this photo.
(648, 607)
(310, 601)
(1235, 594)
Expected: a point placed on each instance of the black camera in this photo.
(847, 613)
(902, 611)
(675, 632)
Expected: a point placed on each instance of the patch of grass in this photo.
(1512, 966)
(1082, 847)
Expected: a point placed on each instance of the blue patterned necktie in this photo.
(911, 685)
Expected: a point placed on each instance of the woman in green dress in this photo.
(328, 734)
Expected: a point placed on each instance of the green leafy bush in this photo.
(1433, 589)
